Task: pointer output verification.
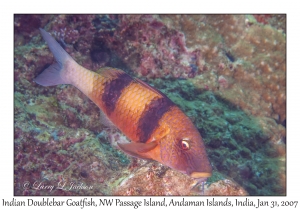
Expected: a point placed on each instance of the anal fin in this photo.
(106, 121)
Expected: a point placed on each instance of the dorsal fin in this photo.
(150, 87)
(106, 121)
(110, 73)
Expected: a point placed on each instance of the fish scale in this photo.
(157, 128)
(134, 99)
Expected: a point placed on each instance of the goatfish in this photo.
(157, 128)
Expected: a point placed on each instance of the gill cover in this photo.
(183, 149)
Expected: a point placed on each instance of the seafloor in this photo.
(226, 72)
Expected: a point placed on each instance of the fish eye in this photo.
(185, 144)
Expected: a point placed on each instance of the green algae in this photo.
(251, 19)
(216, 176)
(43, 137)
(63, 151)
(46, 111)
(236, 144)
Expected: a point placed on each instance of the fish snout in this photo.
(199, 168)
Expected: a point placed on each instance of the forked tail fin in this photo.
(56, 73)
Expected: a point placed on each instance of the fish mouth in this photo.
(200, 174)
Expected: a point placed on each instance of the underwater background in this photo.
(226, 72)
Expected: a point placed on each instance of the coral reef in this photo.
(155, 179)
(256, 75)
(226, 187)
(226, 72)
(247, 149)
(54, 149)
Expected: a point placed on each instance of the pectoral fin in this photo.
(139, 150)
(162, 131)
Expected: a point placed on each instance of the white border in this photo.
(219, 6)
